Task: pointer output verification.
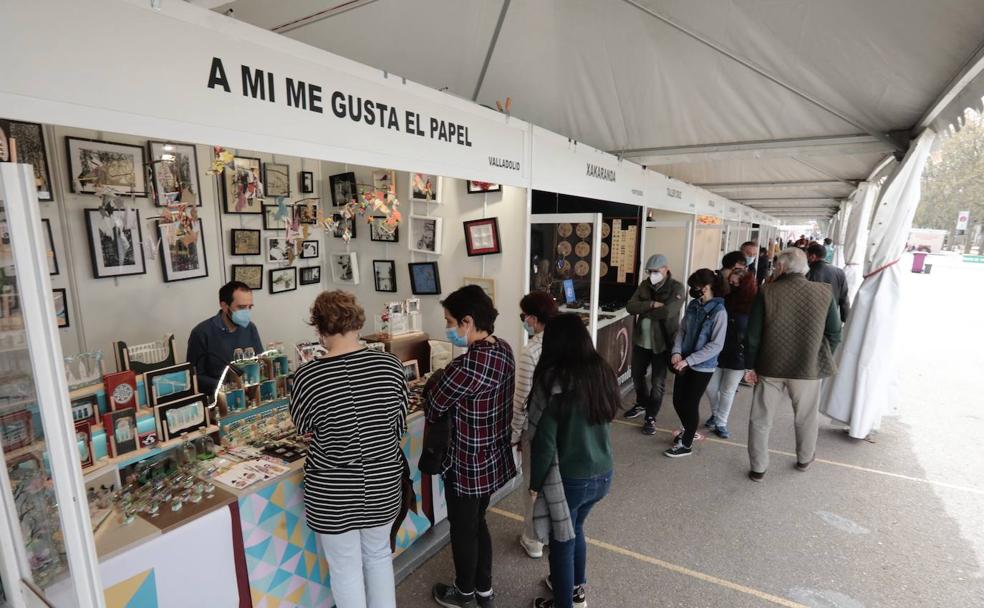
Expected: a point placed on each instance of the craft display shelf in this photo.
(259, 409)
(136, 456)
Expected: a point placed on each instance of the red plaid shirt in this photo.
(477, 391)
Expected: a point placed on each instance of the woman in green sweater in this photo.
(574, 399)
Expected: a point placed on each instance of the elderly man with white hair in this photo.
(793, 330)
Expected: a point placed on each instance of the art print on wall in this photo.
(182, 250)
(425, 187)
(425, 280)
(310, 275)
(345, 268)
(310, 250)
(384, 275)
(283, 279)
(341, 223)
(251, 274)
(384, 180)
(115, 242)
(306, 211)
(182, 416)
(49, 242)
(380, 232)
(477, 187)
(426, 234)
(61, 307)
(272, 219)
(245, 242)
(242, 187)
(280, 250)
(171, 383)
(306, 182)
(94, 164)
(30, 150)
(343, 188)
(482, 237)
(276, 179)
(175, 173)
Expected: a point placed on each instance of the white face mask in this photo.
(655, 278)
(750, 259)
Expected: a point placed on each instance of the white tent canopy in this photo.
(784, 106)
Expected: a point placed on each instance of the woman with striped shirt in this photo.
(354, 402)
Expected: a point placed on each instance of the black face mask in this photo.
(696, 292)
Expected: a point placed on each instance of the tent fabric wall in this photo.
(856, 237)
(858, 394)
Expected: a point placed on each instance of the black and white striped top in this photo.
(356, 406)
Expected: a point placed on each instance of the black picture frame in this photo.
(254, 285)
(233, 241)
(305, 182)
(475, 187)
(151, 378)
(339, 230)
(425, 278)
(167, 431)
(188, 150)
(96, 254)
(391, 265)
(228, 175)
(270, 223)
(302, 253)
(306, 211)
(344, 188)
(139, 168)
(58, 318)
(474, 249)
(281, 172)
(171, 275)
(290, 272)
(310, 275)
(31, 150)
(380, 236)
(53, 257)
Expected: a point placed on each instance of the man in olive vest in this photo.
(793, 330)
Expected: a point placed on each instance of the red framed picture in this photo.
(482, 237)
(477, 187)
(16, 430)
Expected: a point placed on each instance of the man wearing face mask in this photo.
(213, 341)
(657, 302)
(750, 250)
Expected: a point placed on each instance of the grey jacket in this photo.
(666, 318)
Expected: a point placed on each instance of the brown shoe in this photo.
(755, 476)
(803, 466)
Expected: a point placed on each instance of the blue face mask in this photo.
(241, 317)
(455, 339)
(530, 331)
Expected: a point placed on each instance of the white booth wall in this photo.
(670, 233)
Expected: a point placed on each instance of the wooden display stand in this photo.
(408, 347)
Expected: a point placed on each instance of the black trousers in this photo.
(648, 397)
(687, 391)
(471, 543)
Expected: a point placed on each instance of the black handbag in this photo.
(437, 436)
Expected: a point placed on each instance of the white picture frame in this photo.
(418, 183)
(280, 250)
(426, 234)
(344, 267)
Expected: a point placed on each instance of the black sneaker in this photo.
(634, 412)
(449, 597)
(650, 427)
(756, 476)
(485, 601)
(580, 598)
(678, 451)
(711, 422)
(542, 602)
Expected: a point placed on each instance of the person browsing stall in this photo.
(213, 341)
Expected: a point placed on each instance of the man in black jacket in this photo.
(822, 272)
(657, 303)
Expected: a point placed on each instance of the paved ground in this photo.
(898, 522)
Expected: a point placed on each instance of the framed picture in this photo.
(121, 390)
(411, 370)
(426, 234)
(170, 383)
(31, 150)
(345, 268)
(175, 170)
(283, 279)
(310, 249)
(85, 408)
(120, 427)
(270, 219)
(280, 250)
(384, 275)
(16, 430)
(61, 307)
(245, 242)
(49, 242)
(306, 211)
(306, 182)
(251, 274)
(384, 180)
(115, 242)
(380, 232)
(342, 223)
(83, 437)
(425, 187)
(487, 285)
(93, 163)
(182, 250)
(476, 187)
(343, 188)
(482, 237)
(241, 186)
(276, 179)
(425, 280)
(181, 416)
(310, 275)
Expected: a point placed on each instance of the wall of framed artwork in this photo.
(283, 280)
(310, 275)
(92, 162)
(344, 267)
(251, 274)
(246, 242)
(183, 254)
(310, 249)
(482, 237)
(425, 234)
(115, 242)
(276, 179)
(32, 150)
(384, 275)
(175, 172)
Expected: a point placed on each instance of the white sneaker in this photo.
(533, 548)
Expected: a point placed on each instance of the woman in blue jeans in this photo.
(574, 399)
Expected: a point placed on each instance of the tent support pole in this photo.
(492, 43)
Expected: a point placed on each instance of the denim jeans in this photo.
(721, 392)
(361, 567)
(568, 560)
